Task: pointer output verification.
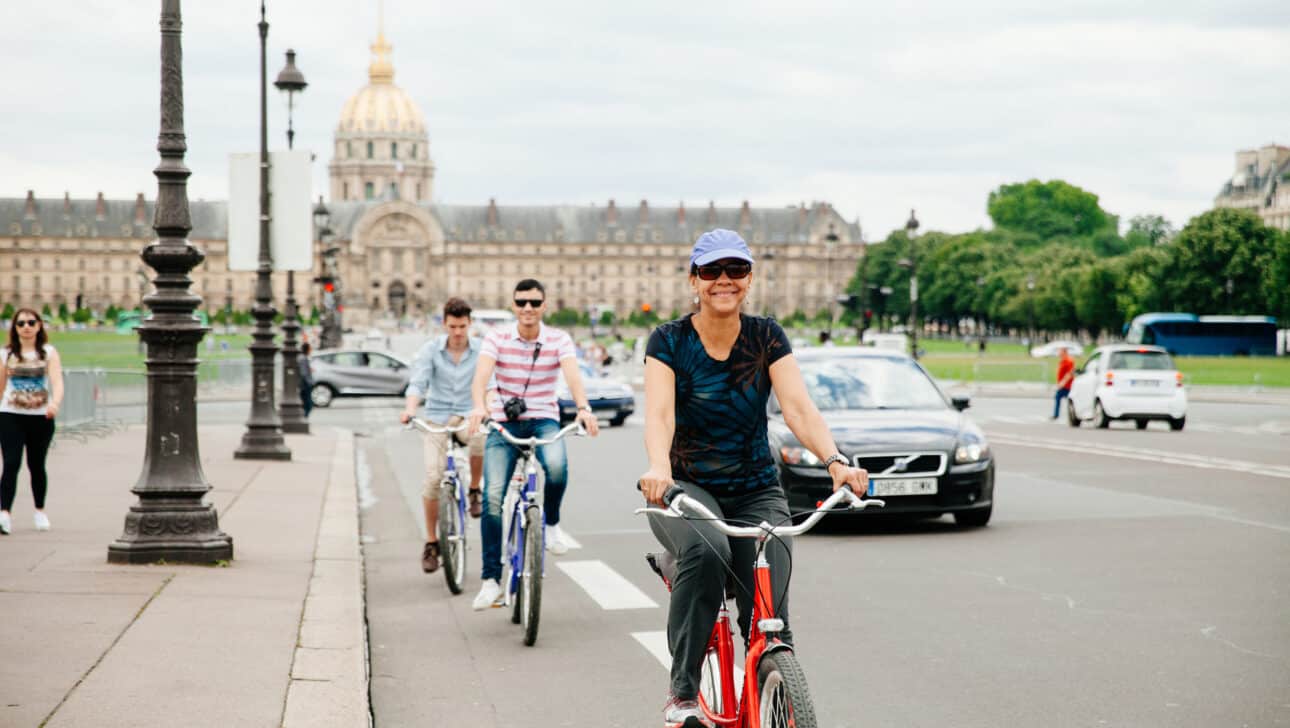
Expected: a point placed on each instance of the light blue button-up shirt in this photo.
(441, 382)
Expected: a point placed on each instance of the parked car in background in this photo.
(610, 398)
(1051, 348)
(925, 457)
(1128, 382)
(357, 373)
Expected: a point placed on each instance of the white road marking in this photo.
(656, 644)
(571, 541)
(610, 589)
(1156, 456)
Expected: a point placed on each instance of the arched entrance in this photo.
(398, 299)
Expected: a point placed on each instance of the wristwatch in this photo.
(836, 457)
(586, 408)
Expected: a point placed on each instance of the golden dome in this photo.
(380, 107)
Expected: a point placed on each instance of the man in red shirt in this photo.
(1065, 375)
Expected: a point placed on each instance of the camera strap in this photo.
(537, 349)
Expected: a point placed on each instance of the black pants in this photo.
(33, 432)
(702, 555)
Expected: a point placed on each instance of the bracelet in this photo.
(834, 458)
(586, 408)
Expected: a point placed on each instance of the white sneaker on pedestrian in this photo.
(42, 521)
(556, 543)
(6, 524)
(490, 595)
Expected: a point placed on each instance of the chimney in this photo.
(100, 208)
(644, 213)
(745, 215)
(680, 214)
(712, 213)
(29, 211)
(140, 210)
(67, 205)
(492, 212)
(611, 215)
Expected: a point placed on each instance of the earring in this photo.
(696, 299)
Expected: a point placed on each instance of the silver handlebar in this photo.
(765, 530)
(421, 424)
(534, 441)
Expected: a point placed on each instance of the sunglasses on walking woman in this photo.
(735, 269)
(26, 322)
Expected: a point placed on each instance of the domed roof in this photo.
(380, 106)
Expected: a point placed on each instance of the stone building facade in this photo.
(403, 255)
(1261, 183)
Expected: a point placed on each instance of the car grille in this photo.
(918, 464)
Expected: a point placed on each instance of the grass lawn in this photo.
(996, 366)
(110, 350)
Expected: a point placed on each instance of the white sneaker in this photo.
(490, 595)
(6, 524)
(556, 543)
(42, 521)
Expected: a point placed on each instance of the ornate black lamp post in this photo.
(830, 244)
(291, 410)
(1030, 305)
(330, 336)
(911, 230)
(263, 437)
(170, 521)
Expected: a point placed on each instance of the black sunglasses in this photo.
(26, 322)
(735, 269)
(529, 302)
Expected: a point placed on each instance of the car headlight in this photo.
(799, 456)
(971, 452)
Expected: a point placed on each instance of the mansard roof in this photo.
(55, 217)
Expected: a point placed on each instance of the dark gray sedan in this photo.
(356, 373)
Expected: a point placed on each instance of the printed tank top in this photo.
(26, 389)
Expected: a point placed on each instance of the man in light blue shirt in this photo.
(441, 377)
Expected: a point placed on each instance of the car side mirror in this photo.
(961, 403)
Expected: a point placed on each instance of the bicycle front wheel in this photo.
(785, 700)
(713, 688)
(531, 578)
(452, 539)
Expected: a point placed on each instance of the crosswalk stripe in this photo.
(656, 644)
(610, 589)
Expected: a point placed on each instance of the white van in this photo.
(488, 318)
(894, 342)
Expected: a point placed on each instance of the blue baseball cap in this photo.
(717, 245)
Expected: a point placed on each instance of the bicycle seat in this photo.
(457, 438)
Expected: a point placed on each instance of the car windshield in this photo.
(1157, 360)
(847, 383)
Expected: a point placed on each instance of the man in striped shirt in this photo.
(527, 359)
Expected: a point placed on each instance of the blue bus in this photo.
(1191, 335)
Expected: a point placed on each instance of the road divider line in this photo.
(1155, 456)
(607, 587)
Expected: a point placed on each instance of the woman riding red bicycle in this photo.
(708, 377)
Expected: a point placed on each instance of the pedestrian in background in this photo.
(31, 379)
(1065, 375)
(306, 377)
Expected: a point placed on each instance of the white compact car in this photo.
(1128, 382)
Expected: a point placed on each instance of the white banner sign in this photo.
(290, 210)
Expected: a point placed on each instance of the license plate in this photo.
(902, 486)
(1145, 383)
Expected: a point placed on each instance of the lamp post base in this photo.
(265, 445)
(174, 533)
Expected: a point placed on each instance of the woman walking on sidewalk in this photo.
(31, 379)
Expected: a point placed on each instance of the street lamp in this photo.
(1229, 288)
(1030, 305)
(911, 230)
(830, 243)
(291, 81)
(263, 437)
(980, 311)
(330, 336)
(170, 522)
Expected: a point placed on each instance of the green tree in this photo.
(607, 318)
(1047, 209)
(8, 312)
(1149, 231)
(63, 313)
(45, 313)
(1217, 247)
(82, 316)
(112, 312)
(564, 317)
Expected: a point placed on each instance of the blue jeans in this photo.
(499, 463)
(1057, 402)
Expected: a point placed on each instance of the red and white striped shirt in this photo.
(516, 365)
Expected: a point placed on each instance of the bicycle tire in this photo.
(510, 568)
(531, 577)
(711, 682)
(452, 539)
(785, 700)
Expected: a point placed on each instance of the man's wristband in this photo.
(586, 408)
(834, 458)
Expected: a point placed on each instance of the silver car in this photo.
(355, 373)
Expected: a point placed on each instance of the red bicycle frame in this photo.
(748, 712)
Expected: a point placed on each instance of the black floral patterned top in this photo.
(721, 442)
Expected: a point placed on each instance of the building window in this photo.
(414, 151)
(17, 263)
(418, 190)
(369, 191)
(344, 195)
(349, 150)
(17, 283)
(369, 150)
(394, 150)
(394, 190)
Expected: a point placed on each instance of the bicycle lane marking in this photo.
(1155, 456)
(656, 644)
(609, 589)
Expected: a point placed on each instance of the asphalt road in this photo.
(1127, 579)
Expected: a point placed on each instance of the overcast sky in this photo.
(875, 107)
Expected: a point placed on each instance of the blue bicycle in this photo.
(452, 505)
(525, 528)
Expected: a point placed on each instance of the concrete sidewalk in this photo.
(277, 637)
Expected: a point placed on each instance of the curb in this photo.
(329, 670)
